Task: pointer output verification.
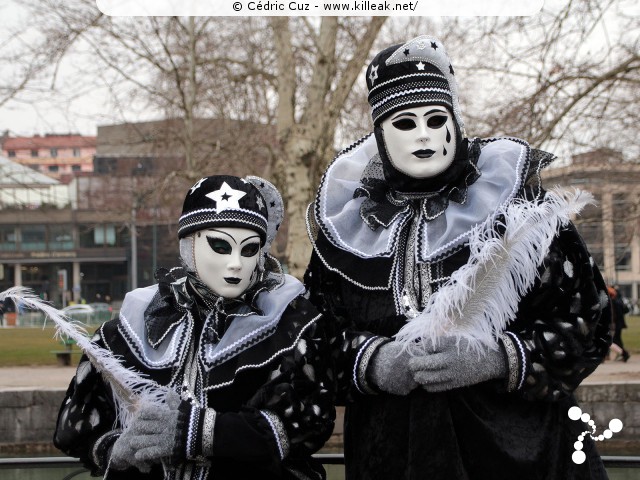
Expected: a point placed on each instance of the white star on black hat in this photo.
(226, 197)
(373, 74)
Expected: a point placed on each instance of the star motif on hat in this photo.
(406, 52)
(197, 185)
(226, 197)
(420, 65)
(434, 45)
(373, 74)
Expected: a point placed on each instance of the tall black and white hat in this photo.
(411, 75)
(224, 201)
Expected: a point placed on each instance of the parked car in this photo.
(101, 307)
(91, 313)
(79, 308)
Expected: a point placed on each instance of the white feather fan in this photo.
(482, 297)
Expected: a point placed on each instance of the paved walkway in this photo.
(12, 378)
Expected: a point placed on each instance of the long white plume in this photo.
(129, 387)
(482, 297)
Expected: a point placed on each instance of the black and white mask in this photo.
(420, 141)
(226, 259)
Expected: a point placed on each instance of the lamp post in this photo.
(134, 249)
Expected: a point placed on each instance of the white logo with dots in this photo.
(575, 413)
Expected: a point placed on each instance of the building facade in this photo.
(59, 156)
(91, 233)
(48, 244)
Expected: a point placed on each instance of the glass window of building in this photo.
(60, 237)
(53, 152)
(6, 276)
(34, 153)
(623, 257)
(34, 237)
(11, 153)
(8, 238)
(76, 168)
(36, 277)
(76, 152)
(105, 235)
(85, 236)
(94, 236)
(53, 168)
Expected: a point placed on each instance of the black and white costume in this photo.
(253, 372)
(481, 253)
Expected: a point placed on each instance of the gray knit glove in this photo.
(149, 438)
(452, 364)
(389, 370)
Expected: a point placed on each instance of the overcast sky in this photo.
(41, 114)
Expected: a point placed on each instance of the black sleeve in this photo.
(351, 345)
(562, 326)
(86, 427)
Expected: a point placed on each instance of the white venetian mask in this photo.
(421, 141)
(226, 259)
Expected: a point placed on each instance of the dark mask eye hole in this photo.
(436, 121)
(250, 249)
(404, 124)
(219, 246)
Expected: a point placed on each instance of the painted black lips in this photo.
(424, 153)
(232, 280)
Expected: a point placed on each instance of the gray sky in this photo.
(37, 112)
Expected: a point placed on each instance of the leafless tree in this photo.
(314, 83)
(567, 77)
(295, 74)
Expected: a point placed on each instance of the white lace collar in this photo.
(503, 163)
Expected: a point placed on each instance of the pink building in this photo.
(58, 156)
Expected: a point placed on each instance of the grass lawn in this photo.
(33, 346)
(29, 346)
(631, 334)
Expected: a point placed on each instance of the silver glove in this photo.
(149, 438)
(453, 364)
(389, 370)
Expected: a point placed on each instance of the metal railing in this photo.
(37, 319)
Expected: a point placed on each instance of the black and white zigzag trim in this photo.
(363, 357)
(516, 359)
(279, 433)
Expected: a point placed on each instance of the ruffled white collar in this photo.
(240, 335)
(503, 163)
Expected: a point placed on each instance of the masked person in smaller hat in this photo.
(469, 306)
(243, 353)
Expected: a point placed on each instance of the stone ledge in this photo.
(29, 416)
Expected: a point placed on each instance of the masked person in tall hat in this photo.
(241, 351)
(469, 306)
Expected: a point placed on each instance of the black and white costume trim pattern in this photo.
(200, 433)
(516, 361)
(209, 216)
(363, 357)
(279, 432)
